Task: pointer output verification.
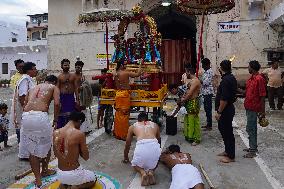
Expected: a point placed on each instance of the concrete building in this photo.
(254, 34)
(256, 39)
(37, 27)
(31, 46)
(68, 39)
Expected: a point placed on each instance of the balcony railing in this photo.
(34, 25)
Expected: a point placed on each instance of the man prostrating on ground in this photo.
(147, 151)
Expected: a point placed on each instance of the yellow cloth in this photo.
(14, 79)
(122, 107)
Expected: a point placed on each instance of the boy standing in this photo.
(4, 122)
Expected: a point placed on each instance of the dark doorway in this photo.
(179, 41)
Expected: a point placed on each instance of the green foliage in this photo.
(4, 81)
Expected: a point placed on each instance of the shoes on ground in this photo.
(250, 150)
(250, 155)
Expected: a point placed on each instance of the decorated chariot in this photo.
(142, 48)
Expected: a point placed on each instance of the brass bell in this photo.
(263, 122)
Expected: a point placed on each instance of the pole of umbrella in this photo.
(107, 44)
(200, 44)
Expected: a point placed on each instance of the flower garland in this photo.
(198, 7)
(106, 15)
(146, 43)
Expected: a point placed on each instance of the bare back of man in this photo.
(121, 77)
(70, 143)
(36, 127)
(147, 151)
(141, 131)
(173, 159)
(180, 164)
(67, 143)
(40, 97)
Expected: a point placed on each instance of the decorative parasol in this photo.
(105, 15)
(145, 43)
(204, 7)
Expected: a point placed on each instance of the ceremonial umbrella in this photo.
(105, 15)
(204, 7)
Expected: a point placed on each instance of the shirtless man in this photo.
(184, 175)
(36, 131)
(192, 131)
(122, 76)
(122, 99)
(147, 150)
(68, 144)
(67, 85)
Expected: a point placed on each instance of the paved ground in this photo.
(264, 172)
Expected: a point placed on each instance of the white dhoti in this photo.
(36, 134)
(146, 154)
(86, 125)
(75, 177)
(185, 176)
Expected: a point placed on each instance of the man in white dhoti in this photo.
(184, 175)
(36, 131)
(24, 84)
(68, 144)
(147, 151)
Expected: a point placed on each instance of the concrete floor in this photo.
(264, 172)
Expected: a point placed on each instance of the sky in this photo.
(16, 11)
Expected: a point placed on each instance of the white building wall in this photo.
(68, 39)
(248, 44)
(9, 31)
(9, 53)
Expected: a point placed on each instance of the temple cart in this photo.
(134, 48)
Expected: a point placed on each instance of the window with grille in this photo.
(34, 20)
(278, 55)
(45, 18)
(43, 34)
(91, 5)
(5, 68)
(36, 35)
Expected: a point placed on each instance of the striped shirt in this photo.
(181, 90)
